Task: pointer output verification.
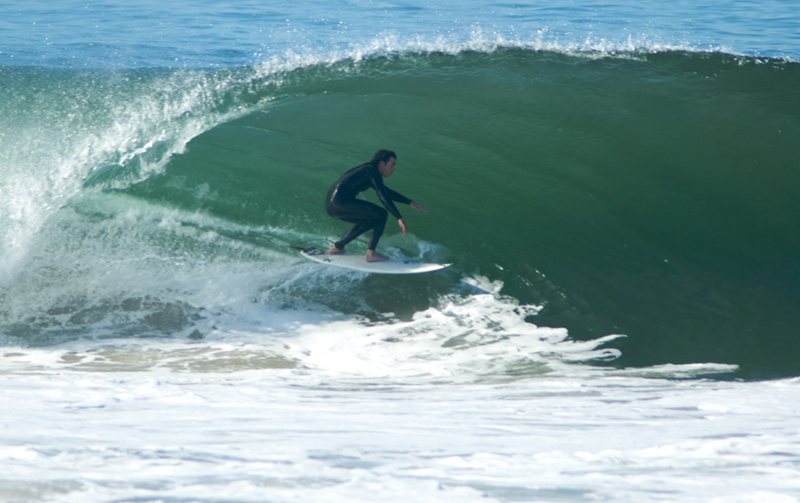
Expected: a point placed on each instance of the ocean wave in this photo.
(632, 188)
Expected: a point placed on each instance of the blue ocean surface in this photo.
(617, 186)
(210, 34)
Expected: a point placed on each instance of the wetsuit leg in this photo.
(364, 215)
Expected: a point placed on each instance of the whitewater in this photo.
(616, 186)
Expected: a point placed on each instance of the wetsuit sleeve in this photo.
(396, 196)
(384, 193)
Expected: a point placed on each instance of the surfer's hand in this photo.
(402, 226)
(418, 206)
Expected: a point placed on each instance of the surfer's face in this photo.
(386, 168)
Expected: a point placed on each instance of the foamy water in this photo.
(231, 421)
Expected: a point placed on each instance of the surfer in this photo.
(341, 202)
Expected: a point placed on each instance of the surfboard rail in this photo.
(357, 262)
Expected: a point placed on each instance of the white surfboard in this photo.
(358, 263)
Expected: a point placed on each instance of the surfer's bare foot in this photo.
(335, 251)
(375, 257)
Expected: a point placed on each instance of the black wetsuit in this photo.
(341, 203)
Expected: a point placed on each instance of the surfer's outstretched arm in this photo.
(418, 206)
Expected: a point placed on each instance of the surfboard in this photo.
(358, 263)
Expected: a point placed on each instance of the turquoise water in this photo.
(616, 186)
(646, 193)
(117, 34)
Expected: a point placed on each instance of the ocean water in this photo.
(616, 184)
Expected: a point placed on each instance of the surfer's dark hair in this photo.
(382, 155)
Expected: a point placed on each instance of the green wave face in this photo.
(650, 194)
